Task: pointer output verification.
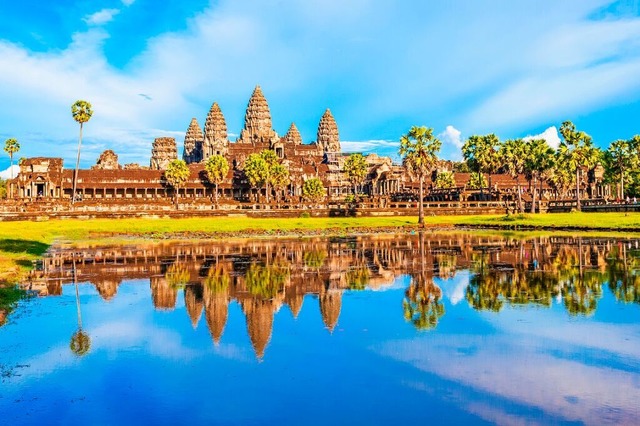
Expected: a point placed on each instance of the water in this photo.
(446, 329)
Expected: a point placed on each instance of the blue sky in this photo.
(460, 67)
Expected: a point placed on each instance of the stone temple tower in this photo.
(193, 143)
(163, 152)
(292, 137)
(257, 121)
(216, 141)
(328, 139)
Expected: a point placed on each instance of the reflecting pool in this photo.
(440, 328)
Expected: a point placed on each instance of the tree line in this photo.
(562, 169)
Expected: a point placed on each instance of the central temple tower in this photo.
(257, 121)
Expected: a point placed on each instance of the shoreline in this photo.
(23, 243)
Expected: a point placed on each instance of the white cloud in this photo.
(101, 17)
(550, 135)
(367, 146)
(325, 54)
(128, 2)
(451, 135)
(452, 142)
(6, 174)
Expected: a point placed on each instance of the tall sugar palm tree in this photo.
(621, 156)
(355, 167)
(11, 146)
(177, 174)
(81, 112)
(512, 156)
(419, 149)
(481, 155)
(216, 168)
(578, 151)
(539, 160)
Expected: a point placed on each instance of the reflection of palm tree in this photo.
(80, 342)
(358, 278)
(266, 282)
(177, 275)
(421, 304)
(314, 259)
(624, 281)
(581, 293)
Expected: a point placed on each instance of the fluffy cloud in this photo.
(451, 143)
(550, 135)
(6, 174)
(101, 17)
(327, 54)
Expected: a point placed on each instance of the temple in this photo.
(46, 178)
(110, 186)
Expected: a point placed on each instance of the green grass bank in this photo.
(23, 242)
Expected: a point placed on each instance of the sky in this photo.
(461, 67)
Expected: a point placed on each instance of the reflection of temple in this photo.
(262, 276)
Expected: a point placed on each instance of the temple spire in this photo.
(328, 140)
(257, 121)
(292, 137)
(192, 152)
(216, 141)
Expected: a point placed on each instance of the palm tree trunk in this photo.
(480, 176)
(75, 175)
(420, 205)
(621, 184)
(11, 171)
(216, 195)
(520, 209)
(578, 188)
(533, 199)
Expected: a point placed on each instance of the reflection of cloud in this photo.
(525, 373)
(455, 287)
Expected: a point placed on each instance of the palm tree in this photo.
(621, 156)
(255, 169)
(280, 178)
(512, 155)
(313, 190)
(356, 168)
(11, 146)
(176, 174)
(419, 149)
(216, 168)
(481, 155)
(445, 180)
(578, 151)
(81, 112)
(539, 160)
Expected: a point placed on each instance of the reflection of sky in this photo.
(523, 365)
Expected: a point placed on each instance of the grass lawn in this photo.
(23, 242)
